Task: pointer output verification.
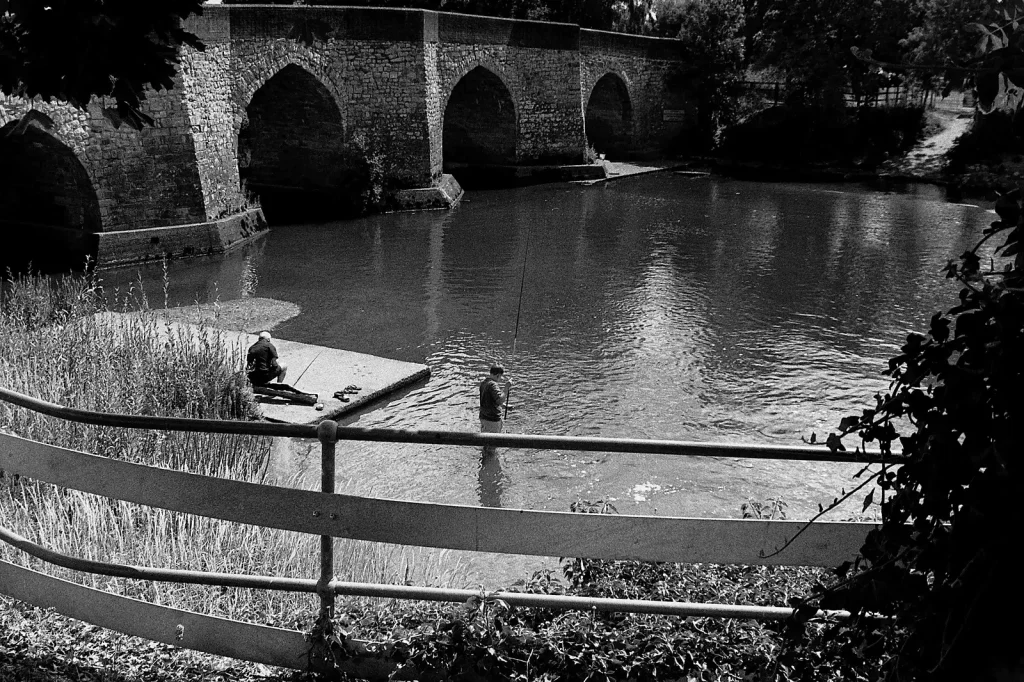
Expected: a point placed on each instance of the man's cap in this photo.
(264, 335)
(497, 369)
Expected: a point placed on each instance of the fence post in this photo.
(327, 433)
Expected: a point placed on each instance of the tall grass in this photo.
(59, 342)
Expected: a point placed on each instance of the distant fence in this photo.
(897, 95)
(511, 531)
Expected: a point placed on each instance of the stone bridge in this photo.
(331, 108)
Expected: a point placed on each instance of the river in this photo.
(660, 306)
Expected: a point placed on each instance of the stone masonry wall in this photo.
(371, 64)
(643, 64)
(435, 102)
(539, 64)
(207, 81)
(141, 178)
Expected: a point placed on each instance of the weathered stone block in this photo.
(178, 241)
(445, 194)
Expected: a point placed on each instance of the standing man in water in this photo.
(261, 362)
(492, 397)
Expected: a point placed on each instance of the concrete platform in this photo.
(326, 370)
(152, 244)
(311, 369)
(624, 169)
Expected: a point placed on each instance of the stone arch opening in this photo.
(292, 153)
(49, 211)
(609, 117)
(479, 125)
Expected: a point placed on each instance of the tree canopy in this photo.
(942, 39)
(811, 42)
(75, 50)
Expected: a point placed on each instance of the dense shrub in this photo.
(711, 42)
(486, 638)
(793, 133)
(59, 342)
(990, 137)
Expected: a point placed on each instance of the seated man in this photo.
(261, 362)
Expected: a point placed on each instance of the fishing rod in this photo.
(308, 366)
(519, 312)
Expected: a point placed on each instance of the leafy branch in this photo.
(122, 49)
(949, 511)
(825, 510)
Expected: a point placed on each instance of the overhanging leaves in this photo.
(75, 50)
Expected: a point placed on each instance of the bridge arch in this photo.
(49, 209)
(292, 150)
(260, 68)
(480, 123)
(608, 115)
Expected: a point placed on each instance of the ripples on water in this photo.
(652, 307)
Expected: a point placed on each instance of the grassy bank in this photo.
(57, 344)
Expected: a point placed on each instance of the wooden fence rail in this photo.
(511, 531)
(886, 96)
(447, 526)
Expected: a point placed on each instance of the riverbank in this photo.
(929, 161)
(134, 364)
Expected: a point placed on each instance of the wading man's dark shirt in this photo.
(490, 400)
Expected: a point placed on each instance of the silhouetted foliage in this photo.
(75, 50)
(940, 570)
(811, 41)
(711, 45)
(941, 41)
(799, 134)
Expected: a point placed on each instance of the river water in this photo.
(659, 306)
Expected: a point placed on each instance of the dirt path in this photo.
(927, 158)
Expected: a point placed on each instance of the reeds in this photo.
(59, 342)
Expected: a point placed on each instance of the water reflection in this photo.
(491, 480)
(658, 307)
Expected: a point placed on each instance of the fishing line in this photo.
(519, 311)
